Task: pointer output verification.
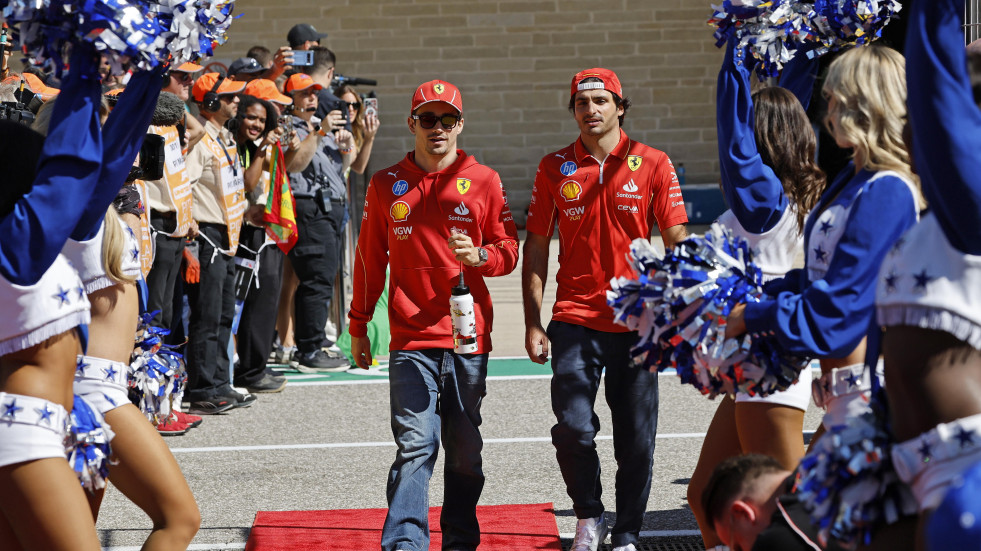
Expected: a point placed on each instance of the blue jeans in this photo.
(435, 392)
(579, 355)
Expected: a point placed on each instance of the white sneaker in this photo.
(590, 533)
(628, 547)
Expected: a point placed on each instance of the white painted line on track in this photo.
(390, 444)
(294, 382)
(648, 534)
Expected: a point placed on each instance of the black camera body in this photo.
(339, 105)
(152, 159)
(16, 112)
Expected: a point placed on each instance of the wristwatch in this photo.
(482, 256)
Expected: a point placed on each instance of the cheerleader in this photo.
(929, 290)
(51, 191)
(826, 309)
(771, 181)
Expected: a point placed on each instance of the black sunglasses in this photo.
(428, 120)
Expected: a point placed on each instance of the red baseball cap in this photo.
(437, 90)
(300, 81)
(609, 79)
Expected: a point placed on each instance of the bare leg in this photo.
(8, 540)
(721, 442)
(149, 476)
(771, 429)
(45, 505)
(284, 321)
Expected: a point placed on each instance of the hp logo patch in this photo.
(568, 168)
(399, 188)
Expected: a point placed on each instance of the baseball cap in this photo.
(266, 89)
(301, 33)
(956, 523)
(609, 82)
(300, 81)
(187, 67)
(245, 65)
(207, 81)
(34, 84)
(437, 90)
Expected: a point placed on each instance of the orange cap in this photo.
(34, 84)
(437, 90)
(206, 83)
(263, 88)
(187, 67)
(300, 81)
(114, 92)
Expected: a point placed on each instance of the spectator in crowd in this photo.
(364, 126)
(245, 69)
(178, 81)
(262, 55)
(322, 73)
(256, 130)
(603, 191)
(317, 181)
(432, 386)
(304, 36)
(216, 176)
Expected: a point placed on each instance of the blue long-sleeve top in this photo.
(122, 136)
(34, 232)
(752, 190)
(946, 120)
(828, 317)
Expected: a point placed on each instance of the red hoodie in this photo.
(409, 215)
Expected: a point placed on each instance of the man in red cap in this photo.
(433, 217)
(604, 191)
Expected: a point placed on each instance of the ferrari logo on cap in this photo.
(438, 88)
(634, 162)
(462, 185)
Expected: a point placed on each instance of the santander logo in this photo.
(462, 210)
(630, 187)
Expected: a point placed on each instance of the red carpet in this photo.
(502, 527)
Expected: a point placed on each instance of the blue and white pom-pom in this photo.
(87, 445)
(849, 485)
(775, 31)
(679, 303)
(144, 33)
(157, 374)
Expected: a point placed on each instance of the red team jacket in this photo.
(408, 217)
(600, 209)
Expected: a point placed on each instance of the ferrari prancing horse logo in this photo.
(438, 88)
(634, 162)
(463, 185)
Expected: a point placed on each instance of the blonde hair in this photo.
(114, 247)
(868, 84)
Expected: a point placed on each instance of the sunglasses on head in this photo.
(428, 120)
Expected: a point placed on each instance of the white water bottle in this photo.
(464, 320)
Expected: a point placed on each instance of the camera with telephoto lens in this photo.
(152, 159)
(16, 112)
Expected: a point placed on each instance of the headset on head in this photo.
(211, 102)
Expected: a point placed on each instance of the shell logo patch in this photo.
(571, 190)
(438, 88)
(463, 185)
(400, 211)
(634, 162)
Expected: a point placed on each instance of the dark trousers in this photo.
(162, 279)
(258, 322)
(212, 312)
(579, 355)
(315, 260)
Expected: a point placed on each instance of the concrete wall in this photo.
(513, 61)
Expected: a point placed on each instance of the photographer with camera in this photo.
(317, 181)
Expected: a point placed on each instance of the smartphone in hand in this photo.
(302, 58)
(371, 107)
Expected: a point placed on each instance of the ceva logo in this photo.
(462, 209)
(630, 187)
(400, 211)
